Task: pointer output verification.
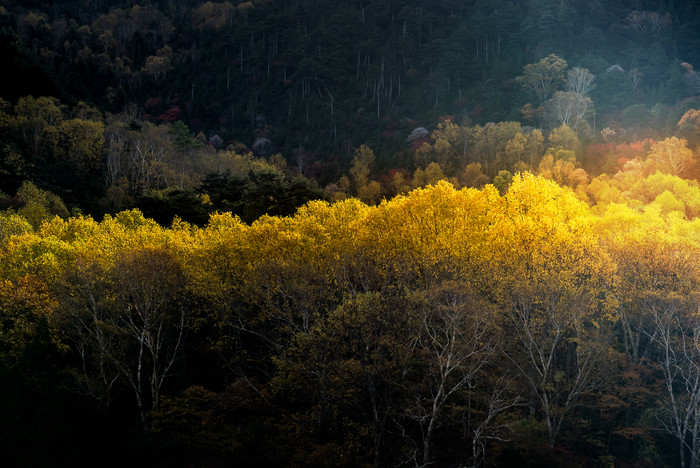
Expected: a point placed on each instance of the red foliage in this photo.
(418, 143)
(385, 179)
(609, 157)
(636, 149)
(621, 162)
(153, 102)
(171, 115)
(476, 111)
(390, 122)
(316, 170)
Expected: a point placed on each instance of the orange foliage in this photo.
(690, 118)
(618, 155)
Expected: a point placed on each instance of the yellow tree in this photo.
(22, 303)
(564, 137)
(38, 119)
(631, 188)
(642, 251)
(433, 234)
(430, 176)
(560, 166)
(124, 304)
(656, 287)
(82, 142)
(360, 171)
(548, 264)
(149, 313)
(671, 156)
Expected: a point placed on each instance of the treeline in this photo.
(446, 326)
(314, 77)
(88, 163)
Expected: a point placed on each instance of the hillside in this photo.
(368, 233)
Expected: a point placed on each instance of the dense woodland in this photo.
(366, 233)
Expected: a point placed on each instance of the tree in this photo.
(635, 78)
(671, 155)
(580, 81)
(37, 120)
(543, 78)
(648, 22)
(689, 126)
(350, 371)
(259, 192)
(564, 137)
(430, 176)
(157, 67)
(148, 152)
(473, 177)
(37, 205)
(676, 335)
(22, 304)
(83, 143)
(489, 144)
(128, 322)
(560, 166)
(502, 180)
(569, 108)
(183, 137)
(361, 167)
(557, 327)
(459, 340)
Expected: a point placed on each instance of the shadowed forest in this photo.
(365, 233)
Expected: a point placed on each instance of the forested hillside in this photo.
(366, 233)
(315, 79)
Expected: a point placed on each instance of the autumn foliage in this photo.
(378, 321)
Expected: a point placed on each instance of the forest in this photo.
(368, 233)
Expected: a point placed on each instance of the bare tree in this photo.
(131, 323)
(648, 22)
(580, 81)
(635, 77)
(459, 339)
(556, 348)
(676, 334)
(569, 108)
(501, 399)
(85, 293)
(114, 166)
